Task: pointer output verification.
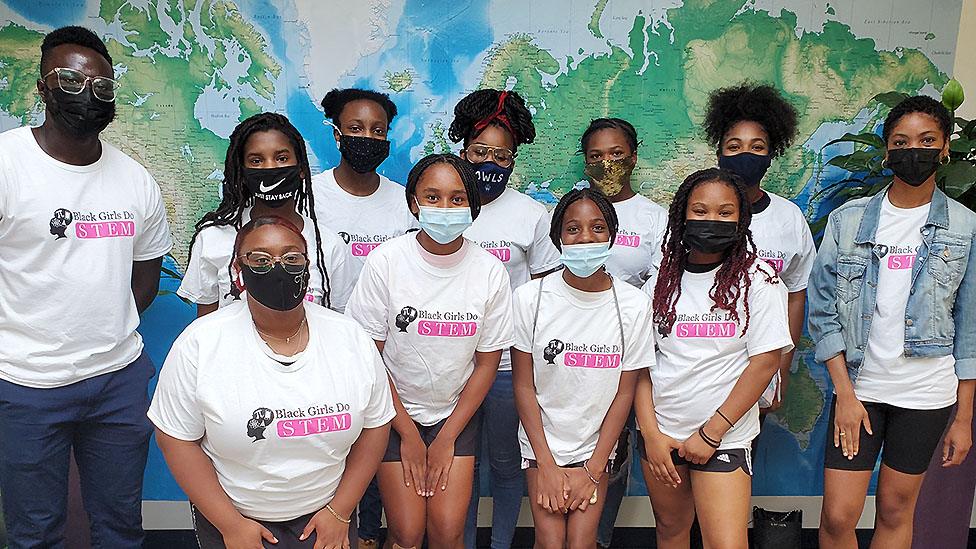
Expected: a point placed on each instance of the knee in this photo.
(545, 539)
(838, 519)
(440, 534)
(406, 535)
(671, 524)
(895, 509)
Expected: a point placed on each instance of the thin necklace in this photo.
(285, 339)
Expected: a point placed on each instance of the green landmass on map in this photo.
(155, 123)
(663, 87)
(398, 81)
(594, 26)
(803, 403)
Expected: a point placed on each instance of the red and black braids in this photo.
(732, 281)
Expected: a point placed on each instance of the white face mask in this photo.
(585, 259)
(444, 225)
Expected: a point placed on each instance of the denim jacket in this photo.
(940, 318)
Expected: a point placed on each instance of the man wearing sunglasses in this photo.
(82, 234)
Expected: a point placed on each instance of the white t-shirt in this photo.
(207, 278)
(277, 435)
(515, 229)
(705, 353)
(887, 375)
(362, 222)
(783, 239)
(68, 237)
(636, 252)
(432, 320)
(576, 357)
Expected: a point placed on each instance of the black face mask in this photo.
(710, 237)
(276, 289)
(273, 186)
(913, 166)
(364, 154)
(81, 114)
(750, 167)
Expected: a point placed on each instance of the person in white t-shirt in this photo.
(440, 309)
(363, 207)
(609, 147)
(265, 173)
(721, 327)
(491, 124)
(581, 336)
(272, 413)
(892, 305)
(751, 125)
(83, 233)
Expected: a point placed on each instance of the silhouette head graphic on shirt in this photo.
(59, 223)
(345, 236)
(552, 350)
(260, 420)
(407, 315)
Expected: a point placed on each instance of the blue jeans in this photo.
(501, 448)
(619, 479)
(370, 512)
(104, 419)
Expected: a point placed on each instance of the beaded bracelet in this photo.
(587, 471)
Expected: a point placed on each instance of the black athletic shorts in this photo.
(722, 461)
(908, 439)
(465, 445)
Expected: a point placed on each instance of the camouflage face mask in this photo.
(610, 176)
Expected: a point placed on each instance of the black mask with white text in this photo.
(273, 186)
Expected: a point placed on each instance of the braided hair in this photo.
(630, 133)
(575, 195)
(236, 197)
(477, 109)
(463, 169)
(733, 279)
(759, 103)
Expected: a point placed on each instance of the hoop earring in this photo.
(945, 160)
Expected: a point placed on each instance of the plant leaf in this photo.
(858, 161)
(957, 177)
(962, 145)
(890, 99)
(952, 95)
(870, 139)
(969, 129)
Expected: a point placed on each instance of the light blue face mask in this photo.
(584, 259)
(444, 225)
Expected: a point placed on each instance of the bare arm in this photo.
(795, 304)
(361, 464)
(206, 309)
(473, 394)
(614, 422)
(527, 405)
(145, 282)
(959, 438)
(746, 392)
(195, 474)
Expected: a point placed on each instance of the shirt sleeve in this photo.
(796, 275)
(769, 327)
(660, 224)
(199, 283)
(523, 311)
(543, 255)
(379, 410)
(175, 409)
(153, 239)
(369, 303)
(497, 330)
(639, 339)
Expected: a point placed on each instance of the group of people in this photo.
(360, 341)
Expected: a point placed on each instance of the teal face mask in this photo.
(585, 259)
(444, 225)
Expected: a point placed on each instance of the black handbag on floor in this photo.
(776, 530)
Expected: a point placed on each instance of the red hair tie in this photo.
(498, 115)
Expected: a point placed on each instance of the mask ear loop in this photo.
(329, 123)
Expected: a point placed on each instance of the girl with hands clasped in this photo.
(720, 323)
(272, 412)
(440, 310)
(581, 337)
(892, 311)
